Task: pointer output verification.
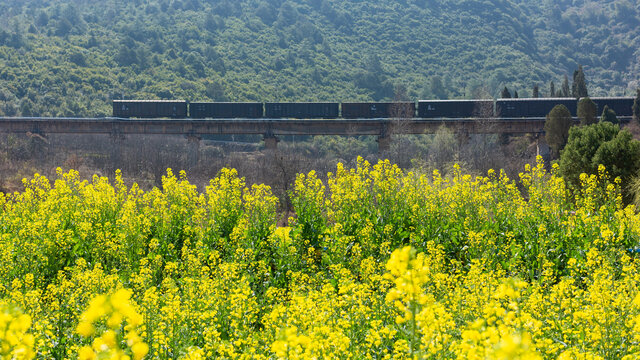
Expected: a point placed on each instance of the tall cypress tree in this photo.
(515, 94)
(536, 91)
(552, 89)
(636, 106)
(579, 86)
(565, 91)
(505, 93)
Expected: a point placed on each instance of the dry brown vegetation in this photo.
(144, 159)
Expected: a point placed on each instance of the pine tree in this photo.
(505, 93)
(556, 127)
(565, 91)
(608, 115)
(587, 111)
(602, 143)
(535, 91)
(579, 86)
(515, 94)
(552, 89)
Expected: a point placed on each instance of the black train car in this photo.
(532, 107)
(150, 108)
(225, 110)
(378, 110)
(301, 110)
(623, 106)
(455, 108)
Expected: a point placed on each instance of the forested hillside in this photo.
(72, 57)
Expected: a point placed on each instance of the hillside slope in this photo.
(71, 57)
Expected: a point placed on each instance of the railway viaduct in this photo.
(271, 129)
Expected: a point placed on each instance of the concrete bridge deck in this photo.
(269, 128)
(273, 127)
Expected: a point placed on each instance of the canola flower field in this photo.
(376, 263)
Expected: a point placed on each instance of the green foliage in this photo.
(608, 115)
(634, 189)
(75, 56)
(564, 91)
(587, 111)
(374, 79)
(600, 144)
(505, 93)
(437, 88)
(308, 200)
(579, 86)
(557, 127)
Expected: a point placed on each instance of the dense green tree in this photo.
(16, 39)
(636, 106)
(437, 88)
(400, 93)
(42, 20)
(126, 56)
(602, 143)
(579, 86)
(92, 42)
(374, 79)
(63, 27)
(535, 92)
(26, 109)
(556, 127)
(552, 89)
(71, 14)
(505, 93)
(515, 94)
(608, 115)
(587, 111)
(213, 23)
(216, 91)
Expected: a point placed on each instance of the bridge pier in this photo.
(193, 151)
(271, 142)
(117, 151)
(384, 143)
(463, 137)
(543, 150)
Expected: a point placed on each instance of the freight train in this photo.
(425, 109)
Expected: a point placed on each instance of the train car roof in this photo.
(454, 100)
(611, 97)
(539, 99)
(303, 102)
(151, 101)
(225, 102)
